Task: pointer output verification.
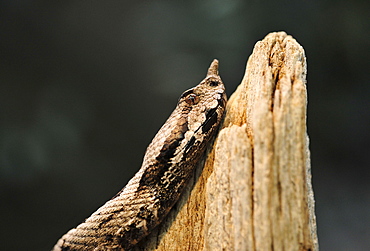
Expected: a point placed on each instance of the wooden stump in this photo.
(253, 191)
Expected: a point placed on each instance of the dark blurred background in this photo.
(85, 85)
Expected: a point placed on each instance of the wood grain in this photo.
(255, 190)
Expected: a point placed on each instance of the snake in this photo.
(168, 164)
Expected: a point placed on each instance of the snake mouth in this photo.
(213, 113)
(211, 119)
(222, 102)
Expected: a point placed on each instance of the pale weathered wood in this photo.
(254, 192)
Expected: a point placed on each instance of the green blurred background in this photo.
(85, 85)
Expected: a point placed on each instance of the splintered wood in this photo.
(253, 192)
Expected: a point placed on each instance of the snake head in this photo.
(183, 138)
(205, 103)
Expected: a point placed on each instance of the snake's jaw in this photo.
(213, 68)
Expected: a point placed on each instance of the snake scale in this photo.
(169, 162)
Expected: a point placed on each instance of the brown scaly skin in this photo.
(168, 164)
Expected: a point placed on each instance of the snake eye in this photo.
(192, 99)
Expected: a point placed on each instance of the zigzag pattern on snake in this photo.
(168, 164)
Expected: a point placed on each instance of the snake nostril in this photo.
(214, 83)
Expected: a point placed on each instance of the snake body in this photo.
(168, 164)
